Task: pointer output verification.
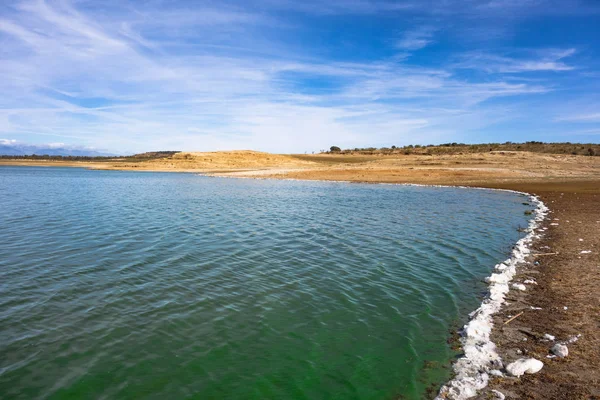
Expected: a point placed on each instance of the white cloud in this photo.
(20, 147)
(587, 117)
(416, 39)
(548, 60)
(7, 142)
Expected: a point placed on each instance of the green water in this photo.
(122, 285)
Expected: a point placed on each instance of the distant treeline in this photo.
(152, 155)
(587, 149)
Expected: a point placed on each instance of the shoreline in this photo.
(556, 379)
(566, 196)
(472, 371)
(560, 300)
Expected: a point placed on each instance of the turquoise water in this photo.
(126, 285)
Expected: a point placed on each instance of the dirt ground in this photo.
(487, 167)
(566, 290)
(565, 277)
(221, 161)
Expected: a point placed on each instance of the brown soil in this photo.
(220, 161)
(444, 169)
(569, 185)
(565, 278)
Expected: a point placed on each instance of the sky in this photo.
(296, 76)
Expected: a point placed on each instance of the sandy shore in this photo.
(564, 276)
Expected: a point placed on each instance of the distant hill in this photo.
(9, 148)
(10, 151)
(151, 155)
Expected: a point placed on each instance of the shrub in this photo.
(335, 149)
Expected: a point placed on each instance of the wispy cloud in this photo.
(587, 117)
(500, 8)
(337, 7)
(15, 147)
(417, 38)
(548, 60)
(8, 142)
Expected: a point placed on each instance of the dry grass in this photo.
(472, 168)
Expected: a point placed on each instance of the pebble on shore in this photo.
(524, 366)
(560, 350)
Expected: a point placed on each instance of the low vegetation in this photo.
(588, 149)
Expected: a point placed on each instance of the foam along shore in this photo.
(472, 371)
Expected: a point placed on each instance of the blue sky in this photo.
(296, 76)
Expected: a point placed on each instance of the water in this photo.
(152, 285)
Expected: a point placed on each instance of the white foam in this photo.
(547, 336)
(480, 356)
(572, 339)
(519, 286)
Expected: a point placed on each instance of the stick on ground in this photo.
(518, 315)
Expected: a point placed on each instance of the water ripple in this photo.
(125, 285)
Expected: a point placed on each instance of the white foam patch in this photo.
(547, 336)
(519, 286)
(480, 356)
